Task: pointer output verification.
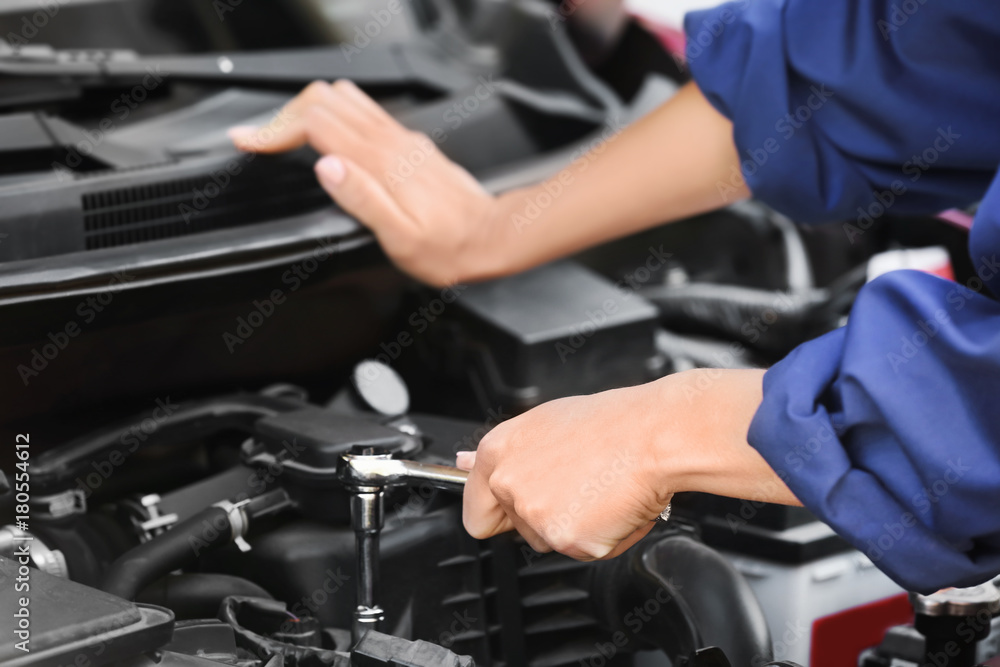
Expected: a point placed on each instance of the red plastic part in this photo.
(838, 639)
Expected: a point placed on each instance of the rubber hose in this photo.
(176, 548)
(58, 468)
(197, 594)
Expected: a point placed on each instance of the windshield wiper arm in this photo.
(415, 65)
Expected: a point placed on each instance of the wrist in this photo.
(517, 234)
(490, 252)
(703, 445)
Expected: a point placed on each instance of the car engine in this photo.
(230, 423)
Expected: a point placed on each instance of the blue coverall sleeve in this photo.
(834, 102)
(888, 429)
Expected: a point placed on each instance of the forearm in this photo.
(585, 475)
(704, 448)
(676, 162)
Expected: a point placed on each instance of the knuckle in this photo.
(503, 431)
(344, 86)
(539, 545)
(598, 553)
(532, 513)
(406, 247)
(414, 137)
(316, 89)
(491, 443)
(502, 485)
(476, 531)
(312, 114)
(386, 156)
(423, 142)
(441, 279)
(561, 539)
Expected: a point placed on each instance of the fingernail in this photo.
(465, 460)
(331, 170)
(242, 133)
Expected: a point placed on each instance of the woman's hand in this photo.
(431, 216)
(588, 475)
(438, 224)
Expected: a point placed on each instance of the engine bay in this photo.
(230, 423)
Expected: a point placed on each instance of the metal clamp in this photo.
(56, 506)
(155, 523)
(51, 561)
(238, 522)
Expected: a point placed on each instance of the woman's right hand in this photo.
(432, 218)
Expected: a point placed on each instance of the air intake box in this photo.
(554, 331)
(66, 623)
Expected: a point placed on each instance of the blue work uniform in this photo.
(847, 110)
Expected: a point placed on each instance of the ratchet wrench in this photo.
(367, 472)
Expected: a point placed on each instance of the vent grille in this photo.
(180, 207)
(542, 615)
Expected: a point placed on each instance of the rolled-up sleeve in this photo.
(888, 428)
(842, 106)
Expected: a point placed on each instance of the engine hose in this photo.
(687, 596)
(58, 468)
(176, 548)
(197, 594)
(788, 317)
